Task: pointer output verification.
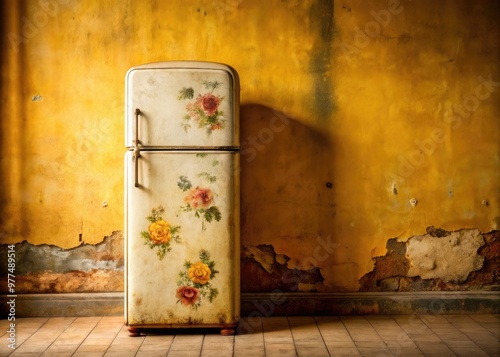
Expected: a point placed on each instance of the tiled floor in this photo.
(400, 335)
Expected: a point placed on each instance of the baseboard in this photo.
(51, 305)
(270, 304)
(370, 303)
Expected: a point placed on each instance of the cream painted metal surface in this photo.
(182, 264)
(176, 99)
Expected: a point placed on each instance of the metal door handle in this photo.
(137, 150)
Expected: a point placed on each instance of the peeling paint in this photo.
(396, 272)
(450, 258)
(107, 254)
(51, 269)
(263, 270)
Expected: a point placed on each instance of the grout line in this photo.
(54, 338)
(234, 339)
(350, 336)
(28, 337)
(402, 328)
(111, 343)
(262, 333)
(202, 343)
(429, 326)
(386, 347)
(293, 338)
(170, 345)
(322, 337)
(466, 335)
(142, 342)
(88, 334)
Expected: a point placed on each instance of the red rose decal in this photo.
(203, 110)
(209, 103)
(187, 295)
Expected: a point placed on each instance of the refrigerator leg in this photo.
(134, 332)
(227, 332)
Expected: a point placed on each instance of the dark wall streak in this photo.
(321, 15)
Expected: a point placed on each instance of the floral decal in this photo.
(194, 283)
(200, 199)
(187, 295)
(160, 233)
(204, 111)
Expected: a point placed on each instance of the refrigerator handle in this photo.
(137, 151)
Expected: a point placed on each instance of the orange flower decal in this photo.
(195, 282)
(199, 273)
(159, 232)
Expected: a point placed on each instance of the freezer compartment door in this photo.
(182, 104)
(182, 239)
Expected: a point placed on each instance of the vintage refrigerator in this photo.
(182, 266)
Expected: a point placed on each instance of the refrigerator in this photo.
(182, 259)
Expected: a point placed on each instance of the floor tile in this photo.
(467, 352)
(344, 351)
(432, 347)
(403, 336)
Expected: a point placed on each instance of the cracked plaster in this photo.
(450, 258)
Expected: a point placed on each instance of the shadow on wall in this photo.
(286, 199)
(12, 140)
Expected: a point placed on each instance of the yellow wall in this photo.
(371, 107)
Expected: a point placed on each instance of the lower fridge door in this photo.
(182, 240)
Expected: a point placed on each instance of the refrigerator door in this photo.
(182, 104)
(182, 263)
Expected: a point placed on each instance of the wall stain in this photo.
(321, 14)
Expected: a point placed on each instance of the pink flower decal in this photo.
(187, 295)
(199, 198)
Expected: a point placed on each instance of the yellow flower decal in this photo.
(195, 281)
(199, 273)
(159, 232)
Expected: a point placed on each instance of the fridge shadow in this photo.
(287, 188)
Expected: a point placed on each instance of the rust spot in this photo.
(222, 319)
(138, 301)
